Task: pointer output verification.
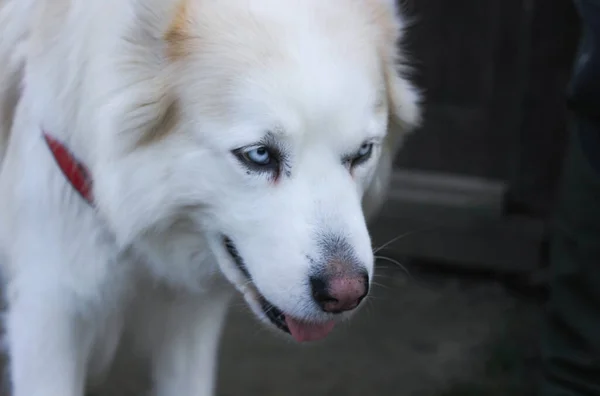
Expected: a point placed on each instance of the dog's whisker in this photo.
(380, 285)
(384, 266)
(405, 270)
(269, 309)
(394, 261)
(402, 236)
(248, 283)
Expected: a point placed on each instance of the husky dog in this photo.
(158, 155)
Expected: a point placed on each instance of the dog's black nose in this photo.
(340, 293)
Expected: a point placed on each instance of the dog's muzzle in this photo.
(299, 329)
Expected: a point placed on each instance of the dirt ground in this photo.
(438, 335)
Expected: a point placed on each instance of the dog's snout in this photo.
(340, 293)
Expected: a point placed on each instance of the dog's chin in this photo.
(300, 329)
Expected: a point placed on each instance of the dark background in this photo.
(494, 73)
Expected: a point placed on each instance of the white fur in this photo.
(148, 259)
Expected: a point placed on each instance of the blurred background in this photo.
(457, 303)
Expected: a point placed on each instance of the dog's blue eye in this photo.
(259, 156)
(365, 149)
(361, 156)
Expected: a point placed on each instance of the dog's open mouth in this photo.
(302, 331)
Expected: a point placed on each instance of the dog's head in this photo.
(248, 134)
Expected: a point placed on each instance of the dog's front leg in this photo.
(186, 355)
(48, 344)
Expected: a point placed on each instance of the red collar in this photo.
(75, 172)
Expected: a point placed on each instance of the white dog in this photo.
(155, 153)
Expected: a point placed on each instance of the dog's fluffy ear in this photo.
(167, 24)
(153, 41)
(403, 97)
(155, 18)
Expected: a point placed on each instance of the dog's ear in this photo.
(159, 25)
(403, 97)
(155, 38)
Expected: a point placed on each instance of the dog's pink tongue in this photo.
(303, 331)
